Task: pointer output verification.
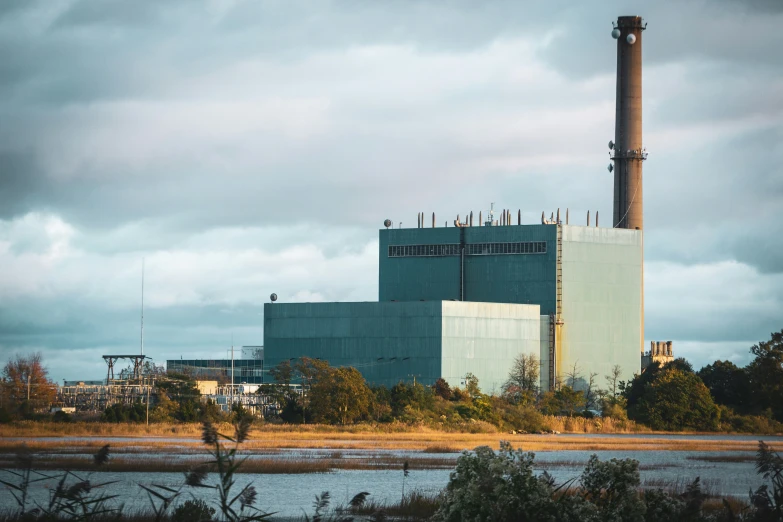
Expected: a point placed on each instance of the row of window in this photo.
(473, 249)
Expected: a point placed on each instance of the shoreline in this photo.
(128, 438)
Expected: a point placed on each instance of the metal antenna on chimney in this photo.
(142, 306)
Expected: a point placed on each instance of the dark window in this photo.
(473, 249)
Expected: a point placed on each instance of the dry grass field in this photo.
(185, 438)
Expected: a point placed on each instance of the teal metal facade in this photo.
(389, 342)
(528, 278)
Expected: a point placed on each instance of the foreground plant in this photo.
(501, 486)
(74, 497)
(239, 507)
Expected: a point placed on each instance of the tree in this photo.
(765, 373)
(442, 389)
(283, 373)
(522, 384)
(184, 398)
(472, 386)
(410, 396)
(563, 400)
(591, 392)
(310, 370)
(728, 384)
(574, 376)
(613, 381)
(340, 395)
(675, 400)
(26, 384)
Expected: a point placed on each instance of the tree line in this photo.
(672, 397)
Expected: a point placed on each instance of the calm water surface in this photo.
(292, 495)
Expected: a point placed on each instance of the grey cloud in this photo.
(21, 182)
(85, 84)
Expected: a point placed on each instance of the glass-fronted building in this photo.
(249, 371)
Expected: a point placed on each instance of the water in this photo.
(292, 495)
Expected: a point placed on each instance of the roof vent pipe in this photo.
(433, 220)
(566, 216)
(558, 216)
(480, 222)
(508, 220)
(471, 218)
(588, 218)
(519, 216)
(543, 219)
(596, 218)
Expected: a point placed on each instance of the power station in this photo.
(471, 297)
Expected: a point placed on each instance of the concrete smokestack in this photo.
(629, 151)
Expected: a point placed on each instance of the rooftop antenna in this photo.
(490, 215)
(142, 306)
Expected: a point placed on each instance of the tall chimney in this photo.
(629, 152)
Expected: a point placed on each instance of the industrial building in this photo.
(244, 371)
(465, 298)
(394, 341)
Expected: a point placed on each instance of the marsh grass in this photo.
(269, 466)
(440, 448)
(425, 440)
(416, 505)
(723, 458)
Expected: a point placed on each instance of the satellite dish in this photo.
(610, 168)
(631, 39)
(387, 223)
(273, 297)
(611, 144)
(615, 33)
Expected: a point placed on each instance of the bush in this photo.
(195, 510)
(61, 416)
(672, 399)
(125, 413)
(503, 487)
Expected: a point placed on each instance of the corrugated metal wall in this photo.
(391, 342)
(503, 278)
(415, 278)
(602, 270)
(484, 339)
(385, 341)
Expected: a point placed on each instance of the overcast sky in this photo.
(245, 148)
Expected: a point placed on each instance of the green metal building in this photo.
(442, 290)
(392, 342)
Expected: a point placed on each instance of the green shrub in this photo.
(61, 416)
(195, 510)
